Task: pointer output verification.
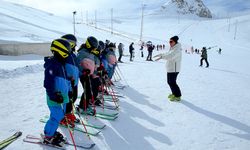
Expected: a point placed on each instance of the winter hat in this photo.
(175, 39)
(111, 45)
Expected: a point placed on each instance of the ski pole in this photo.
(81, 121)
(112, 92)
(212, 47)
(122, 75)
(92, 95)
(115, 77)
(85, 99)
(67, 122)
(102, 88)
(106, 84)
(114, 97)
(117, 73)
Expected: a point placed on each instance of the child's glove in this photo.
(58, 98)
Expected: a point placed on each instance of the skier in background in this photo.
(131, 51)
(120, 50)
(173, 57)
(141, 49)
(204, 57)
(219, 51)
(57, 87)
(150, 47)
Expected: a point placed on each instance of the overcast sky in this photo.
(66, 7)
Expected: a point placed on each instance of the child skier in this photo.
(57, 87)
(73, 75)
(86, 64)
(96, 80)
(112, 61)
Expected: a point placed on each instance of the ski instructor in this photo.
(173, 65)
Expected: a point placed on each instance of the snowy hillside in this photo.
(214, 111)
(25, 24)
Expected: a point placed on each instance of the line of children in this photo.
(62, 73)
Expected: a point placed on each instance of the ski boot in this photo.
(72, 118)
(60, 137)
(170, 96)
(98, 102)
(54, 141)
(89, 111)
(68, 121)
(174, 98)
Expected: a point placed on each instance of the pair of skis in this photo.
(90, 131)
(92, 128)
(103, 115)
(10, 139)
(38, 140)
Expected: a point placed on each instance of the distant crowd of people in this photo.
(198, 51)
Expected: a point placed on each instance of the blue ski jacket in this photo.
(55, 80)
(72, 68)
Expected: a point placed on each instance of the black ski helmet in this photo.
(101, 45)
(91, 43)
(61, 46)
(111, 45)
(71, 39)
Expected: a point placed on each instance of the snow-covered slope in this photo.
(26, 24)
(213, 113)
